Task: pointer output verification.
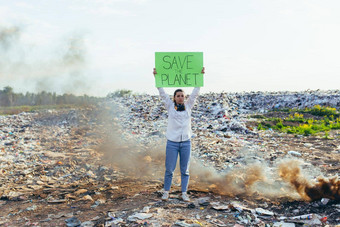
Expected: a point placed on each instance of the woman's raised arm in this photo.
(191, 101)
(164, 96)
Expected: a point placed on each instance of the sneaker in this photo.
(185, 197)
(165, 195)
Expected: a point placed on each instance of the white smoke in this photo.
(32, 67)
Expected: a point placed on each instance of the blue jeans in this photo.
(172, 151)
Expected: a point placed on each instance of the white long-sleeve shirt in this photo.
(179, 122)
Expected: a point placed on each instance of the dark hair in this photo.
(178, 90)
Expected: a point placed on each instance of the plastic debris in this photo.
(204, 201)
(72, 222)
(183, 224)
(283, 224)
(310, 219)
(50, 158)
(261, 211)
(218, 206)
(294, 153)
(140, 216)
(324, 201)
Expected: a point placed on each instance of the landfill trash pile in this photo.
(104, 165)
(220, 123)
(248, 102)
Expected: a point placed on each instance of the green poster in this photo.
(179, 69)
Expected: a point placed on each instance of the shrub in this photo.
(260, 127)
(322, 111)
(120, 93)
(296, 117)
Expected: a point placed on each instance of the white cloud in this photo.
(6, 15)
(24, 5)
(109, 11)
(102, 11)
(4, 11)
(305, 9)
(107, 7)
(110, 2)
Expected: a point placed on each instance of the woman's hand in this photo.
(203, 70)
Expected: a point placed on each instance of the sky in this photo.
(95, 47)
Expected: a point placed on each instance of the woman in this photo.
(178, 136)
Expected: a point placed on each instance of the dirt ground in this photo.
(75, 177)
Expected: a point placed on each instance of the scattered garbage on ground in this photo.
(77, 167)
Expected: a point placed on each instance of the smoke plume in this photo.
(34, 67)
(323, 188)
(283, 179)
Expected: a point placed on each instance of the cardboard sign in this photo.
(179, 69)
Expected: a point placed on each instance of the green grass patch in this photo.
(297, 123)
(317, 110)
